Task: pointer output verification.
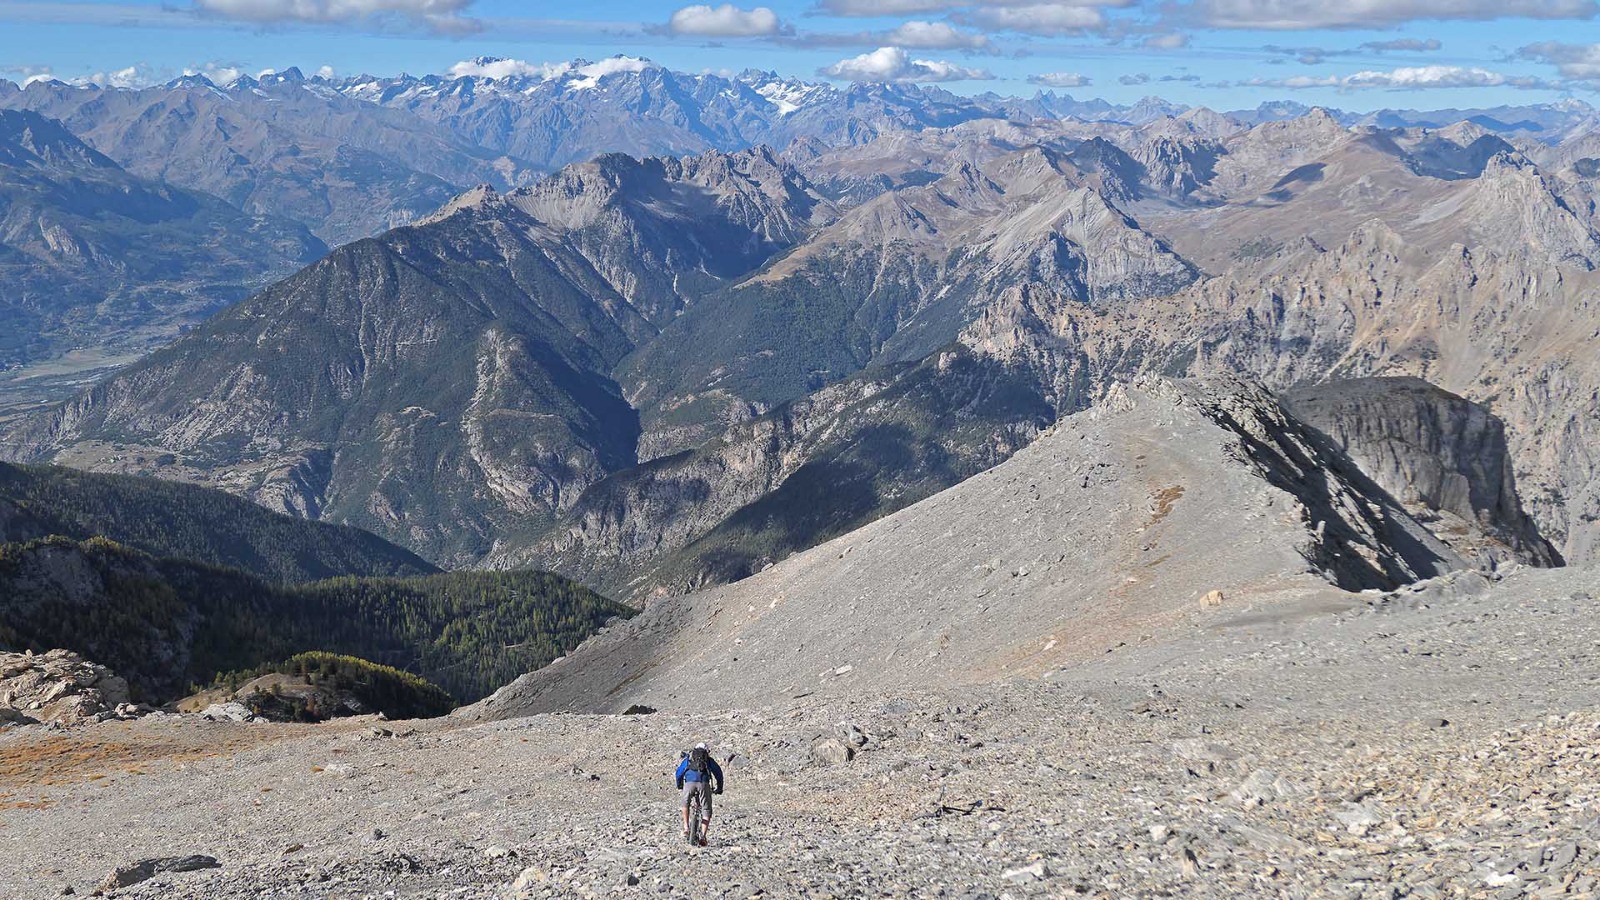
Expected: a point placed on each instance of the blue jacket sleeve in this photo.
(683, 767)
(716, 772)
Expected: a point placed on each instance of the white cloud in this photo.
(494, 68)
(137, 75)
(589, 75)
(325, 72)
(1045, 19)
(894, 64)
(935, 36)
(886, 7)
(1579, 62)
(726, 20)
(1408, 78)
(1174, 41)
(1060, 80)
(216, 72)
(1300, 14)
(1403, 45)
(436, 15)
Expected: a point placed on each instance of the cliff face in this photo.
(1444, 457)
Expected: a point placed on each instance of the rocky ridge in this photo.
(1138, 510)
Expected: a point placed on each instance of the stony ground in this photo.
(1439, 742)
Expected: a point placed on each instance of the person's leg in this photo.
(705, 812)
(683, 802)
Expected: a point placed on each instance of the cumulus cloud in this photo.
(1130, 80)
(436, 15)
(895, 64)
(935, 36)
(135, 76)
(216, 72)
(1300, 14)
(916, 34)
(1405, 78)
(885, 7)
(1044, 19)
(726, 20)
(1578, 62)
(494, 68)
(1060, 80)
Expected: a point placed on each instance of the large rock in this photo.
(144, 870)
(59, 687)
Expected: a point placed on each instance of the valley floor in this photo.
(1437, 742)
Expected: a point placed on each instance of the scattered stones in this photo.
(1323, 784)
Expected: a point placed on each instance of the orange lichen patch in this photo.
(93, 754)
(65, 759)
(1164, 500)
(26, 804)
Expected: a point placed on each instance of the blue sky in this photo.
(1356, 54)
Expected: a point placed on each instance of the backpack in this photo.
(700, 761)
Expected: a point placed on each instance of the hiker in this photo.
(694, 776)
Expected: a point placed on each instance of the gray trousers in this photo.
(703, 789)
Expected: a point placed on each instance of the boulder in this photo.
(146, 869)
(832, 752)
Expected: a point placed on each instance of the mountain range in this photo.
(104, 262)
(659, 373)
(346, 158)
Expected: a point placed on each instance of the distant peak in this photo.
(482, 197)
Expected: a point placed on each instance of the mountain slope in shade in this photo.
(1444, 457)
(91, 255)
(169, 519)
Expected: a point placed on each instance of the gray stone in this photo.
(144, 870)
(832, 752)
